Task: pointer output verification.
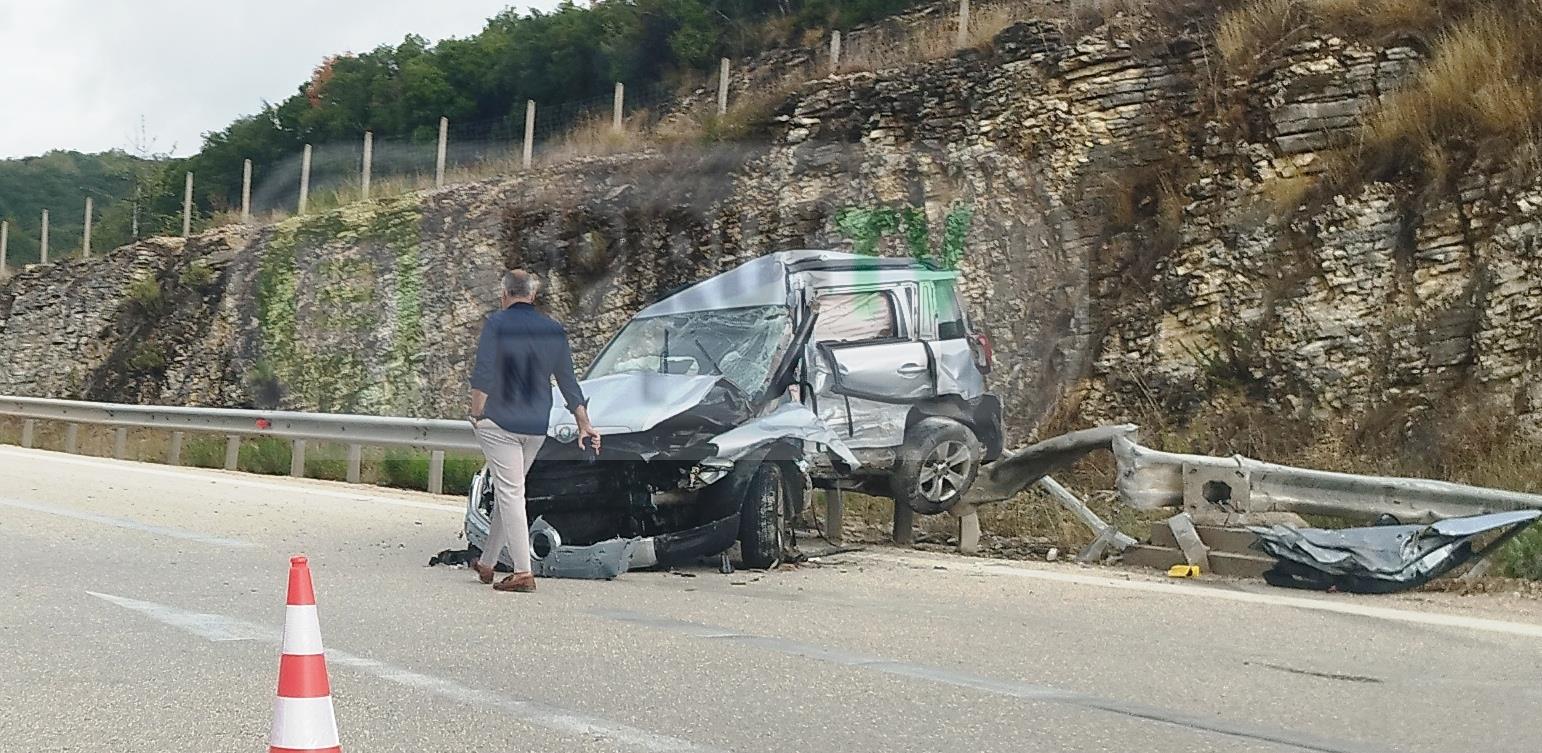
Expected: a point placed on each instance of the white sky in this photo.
(78, 74)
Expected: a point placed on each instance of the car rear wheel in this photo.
(936, 466)
(761, 524)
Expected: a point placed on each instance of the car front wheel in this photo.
(936, 466)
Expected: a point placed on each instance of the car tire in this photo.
(936, 466)
(761, 525)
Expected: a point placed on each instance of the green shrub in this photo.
(266, 455)
(1522, 557)
(147, 356)
(458, 472)
(204, 452)
(404, 469)
(197, 275)
(328, 462)
(145, 292)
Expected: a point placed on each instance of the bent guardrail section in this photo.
(1152, 479)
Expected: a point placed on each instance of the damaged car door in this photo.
(869, 366)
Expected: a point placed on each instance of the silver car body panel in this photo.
(788, 421)
(631, 402)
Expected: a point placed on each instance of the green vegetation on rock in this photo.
(318, 310)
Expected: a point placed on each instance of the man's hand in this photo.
(588, 437)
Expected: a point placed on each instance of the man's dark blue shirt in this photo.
(519, 352)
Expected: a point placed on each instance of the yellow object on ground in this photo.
(1183, 571)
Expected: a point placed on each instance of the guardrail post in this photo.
(904, 524)
(120, 442)
(968, 528)
(233, 452)
(297, 459)
(174, 452)
(355, 463)
(835, 52)
(27, 428)
(43, 241)
(835, 514)
(5, 240)
(71, 433)
(436, 472)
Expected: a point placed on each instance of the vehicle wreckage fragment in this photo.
(1383, 559)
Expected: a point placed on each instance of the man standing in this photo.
(519, 353)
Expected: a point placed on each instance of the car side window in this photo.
(950, 312)
(848, 317)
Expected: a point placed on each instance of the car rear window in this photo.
(845, 317)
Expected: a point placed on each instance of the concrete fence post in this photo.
(305, 178)
(297, 459)
(722, 87)
(42, 251)
(5, 242)
(187, 206)
(616, 113)
(246, 192)
(444, 142)
(529, 132)
(835, 52)
(232, 452)
(963, 24)
(436, 472)
(174, 450)
(120, 442)
(85, 236)
(355, 463)
(71, 435)
(27, 428)
(368, 167)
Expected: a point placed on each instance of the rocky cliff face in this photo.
(1132, 225)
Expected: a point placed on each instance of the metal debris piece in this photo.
(1383, 559)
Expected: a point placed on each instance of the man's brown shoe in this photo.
(518, 583)
(484, 573)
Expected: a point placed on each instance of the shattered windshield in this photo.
(740, 344)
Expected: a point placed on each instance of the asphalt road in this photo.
(140, 610)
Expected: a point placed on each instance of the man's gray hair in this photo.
(518, 283)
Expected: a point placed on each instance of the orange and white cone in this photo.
(302, 714)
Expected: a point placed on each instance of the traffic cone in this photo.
(302, 713)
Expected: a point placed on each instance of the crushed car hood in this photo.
(631, 402)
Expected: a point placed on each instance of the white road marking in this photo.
(224, 478)
(213, 627)
(1525, 629)
(995, 686)
(133, 525)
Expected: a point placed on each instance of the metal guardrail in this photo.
(1152, 479)
(357, 432)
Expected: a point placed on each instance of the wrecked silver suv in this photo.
(724, 402)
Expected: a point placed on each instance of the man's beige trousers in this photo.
(509, 457)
